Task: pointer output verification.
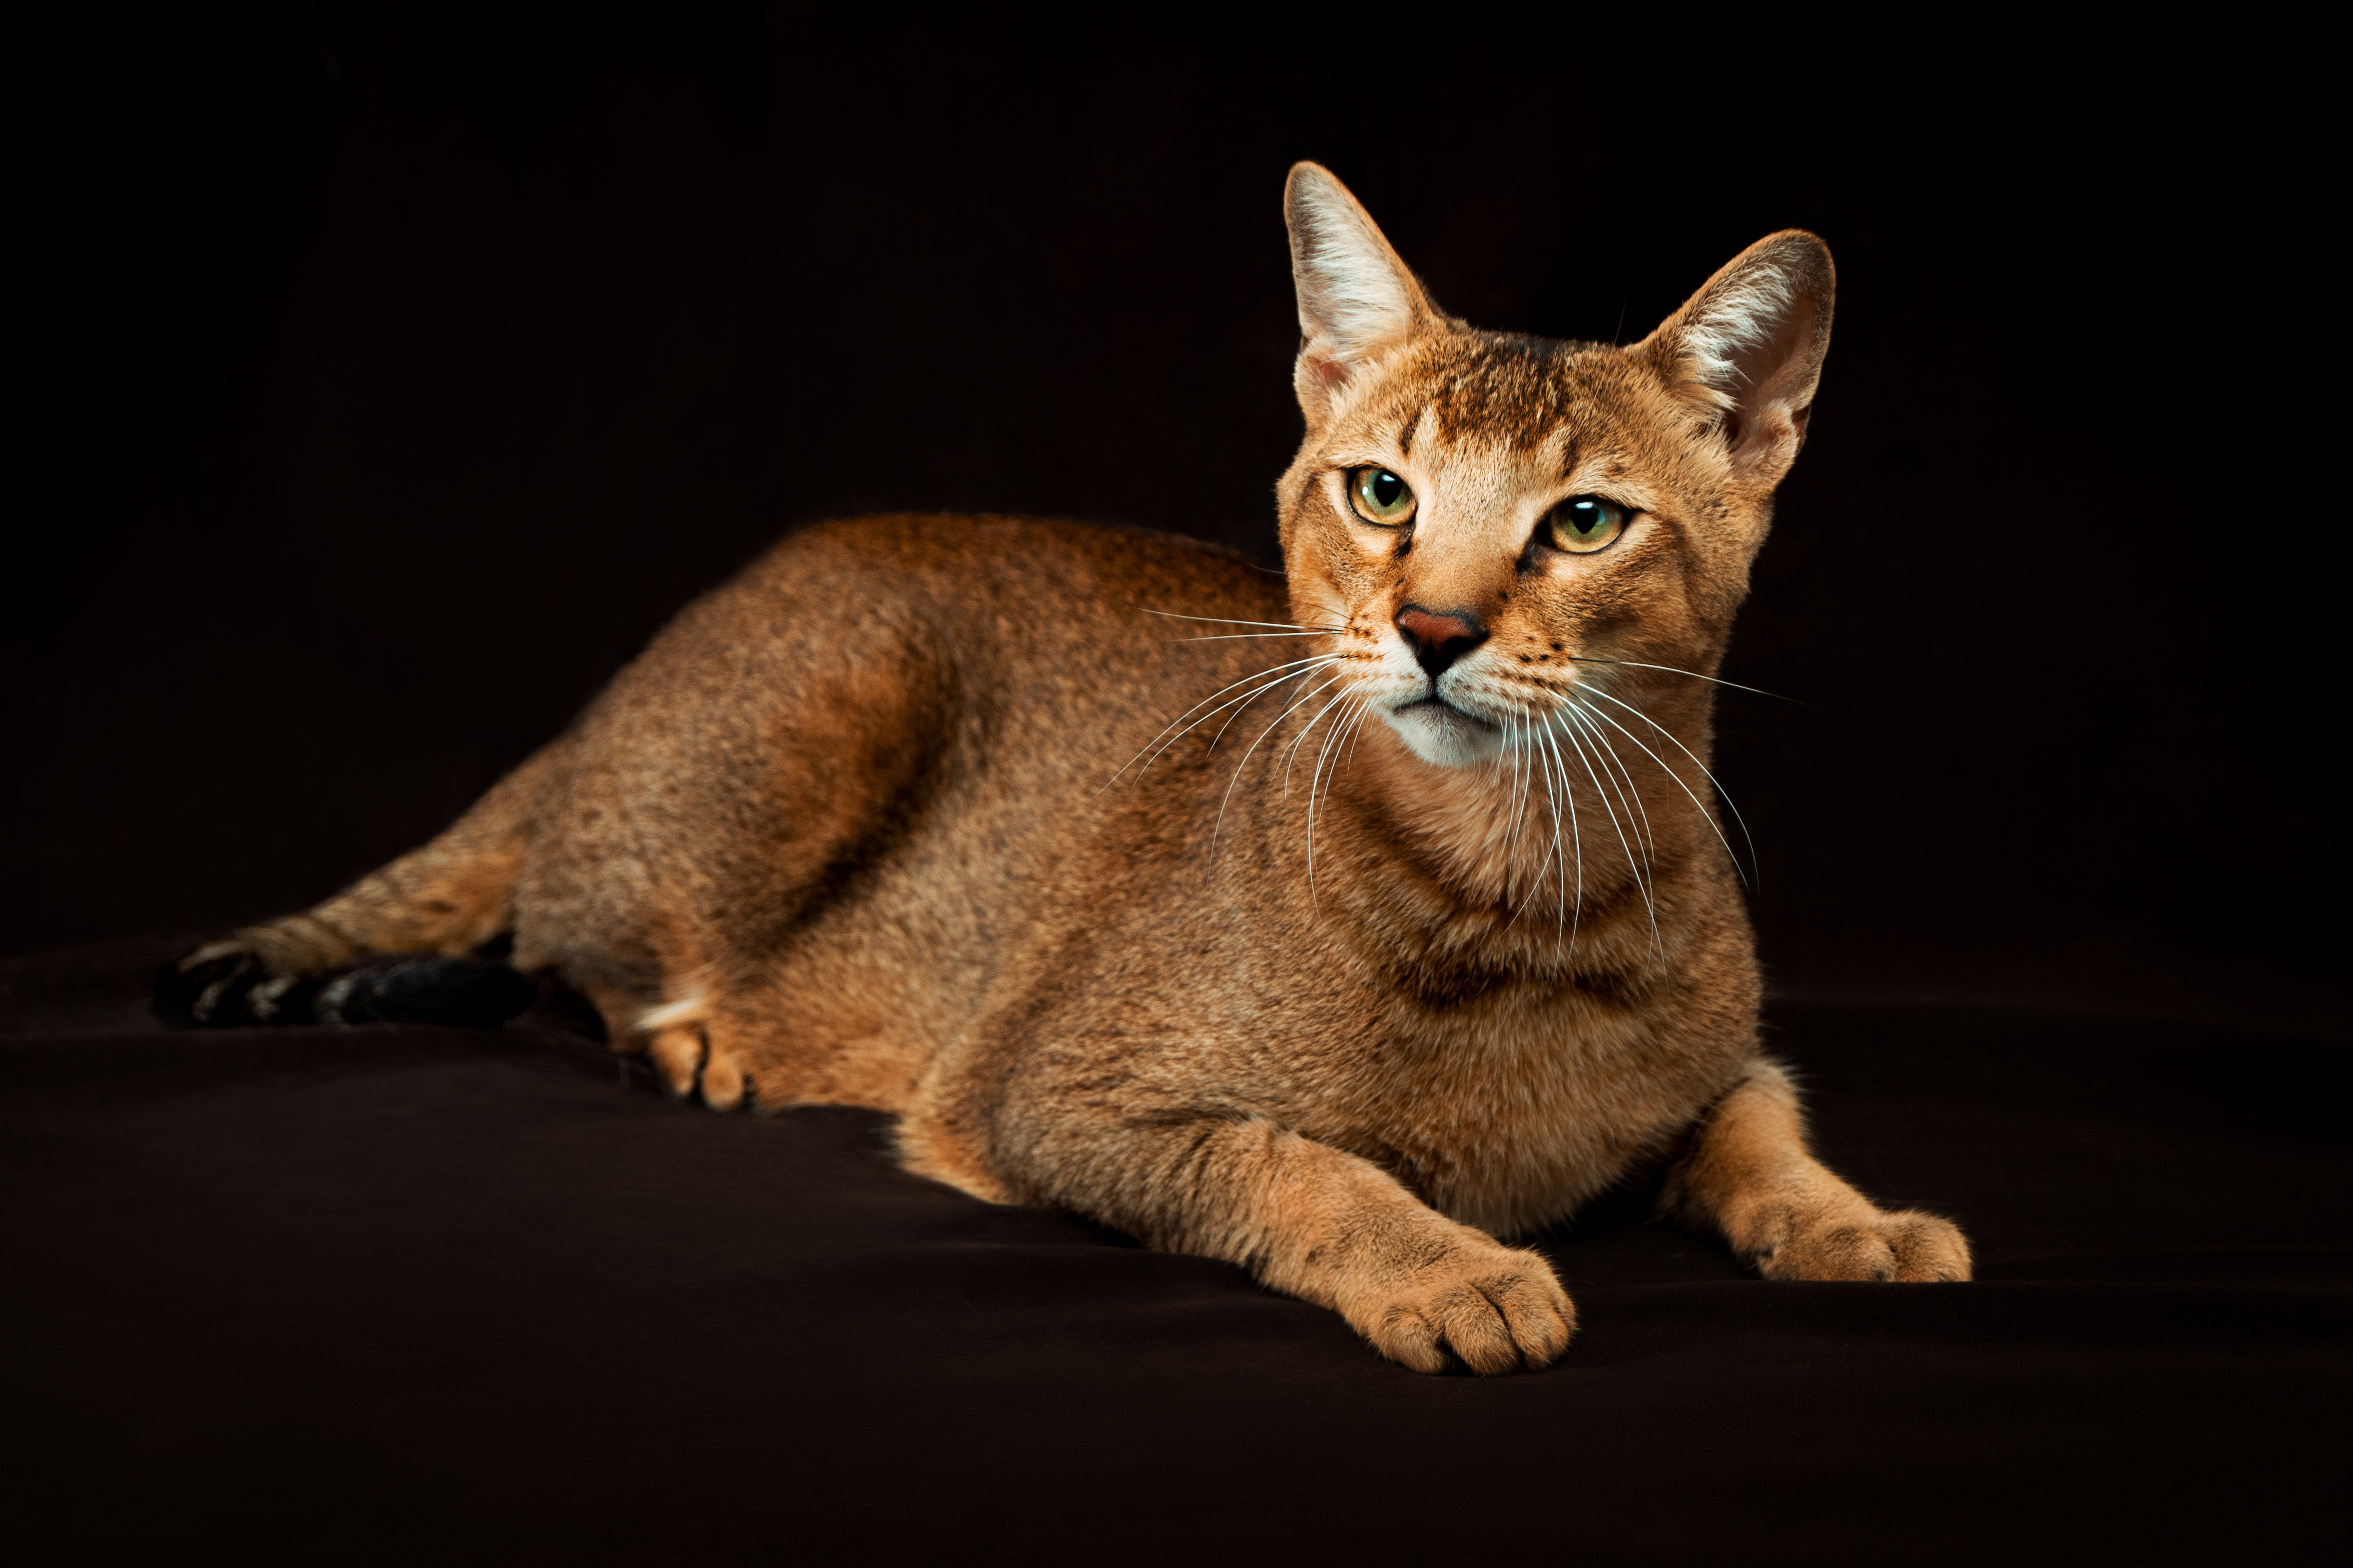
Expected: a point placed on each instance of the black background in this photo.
(397, 371)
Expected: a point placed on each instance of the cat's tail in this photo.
(393, 947)
(232, 990)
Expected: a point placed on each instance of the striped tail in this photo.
(404, 944)
(234, 988)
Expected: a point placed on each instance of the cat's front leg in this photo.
(1749, 1175)
(1313, 1221)
(1337, 1230)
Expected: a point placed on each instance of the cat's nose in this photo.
(1439, 639)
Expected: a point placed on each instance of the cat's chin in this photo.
(1443, 735)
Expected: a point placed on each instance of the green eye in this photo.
(1585, 524)
(1380, 496)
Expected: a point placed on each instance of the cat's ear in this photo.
(1749, 345)
(1356, 297)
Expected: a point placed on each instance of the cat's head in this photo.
(1490, 521)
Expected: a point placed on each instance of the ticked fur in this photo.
(1221, 910)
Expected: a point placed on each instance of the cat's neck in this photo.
(1562, 854)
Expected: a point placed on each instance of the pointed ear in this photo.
(1749, 345)
(1356, 297)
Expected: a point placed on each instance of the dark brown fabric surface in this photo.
(374, 1291)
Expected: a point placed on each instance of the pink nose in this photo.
(1439, 639)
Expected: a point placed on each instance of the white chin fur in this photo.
(1443, 737)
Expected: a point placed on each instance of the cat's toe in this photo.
(676, 1054)
(726, 1082)
(1928, 1247)
(693, 1063)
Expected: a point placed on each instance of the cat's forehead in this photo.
(1502, 391)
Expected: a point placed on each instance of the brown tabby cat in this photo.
(1440, 941)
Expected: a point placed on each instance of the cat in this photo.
(1341, 963)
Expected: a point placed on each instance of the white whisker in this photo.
(1747, 836)
(1507, 771)
(1213, 697)
(1555, 857)
(1695, 675)
(1517, 739)
(1602, 793)
(1628, 788)
(1227, 798)
(1538, 760)
(1560, 904)
(1314, 666)
(1520, 734)
(1704, 814)
(1577, 838)
(1291, 752)
(1330, 737)
(1359, 732)
(1157, 749)
(1224, 621)
(1241, 704)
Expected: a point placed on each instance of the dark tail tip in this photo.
(467, 992)
(235, 990)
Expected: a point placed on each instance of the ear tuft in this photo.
(1749, 345)
(1356, 297)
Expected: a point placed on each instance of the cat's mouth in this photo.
(1440, 732)
(1437, 707)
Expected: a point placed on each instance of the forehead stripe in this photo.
(1405, 436)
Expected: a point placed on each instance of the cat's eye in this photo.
(1380, 497)
(1585, 524)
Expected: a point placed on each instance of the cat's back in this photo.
(1020, 614)
(1024, 576)
(886, 669)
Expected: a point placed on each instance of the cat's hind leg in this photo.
(1750, 1175)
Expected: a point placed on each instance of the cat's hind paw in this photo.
(694, 1061)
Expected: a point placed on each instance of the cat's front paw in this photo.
(1496, 1308)
(1908, 1246)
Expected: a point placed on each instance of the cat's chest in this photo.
(1510, 1123)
